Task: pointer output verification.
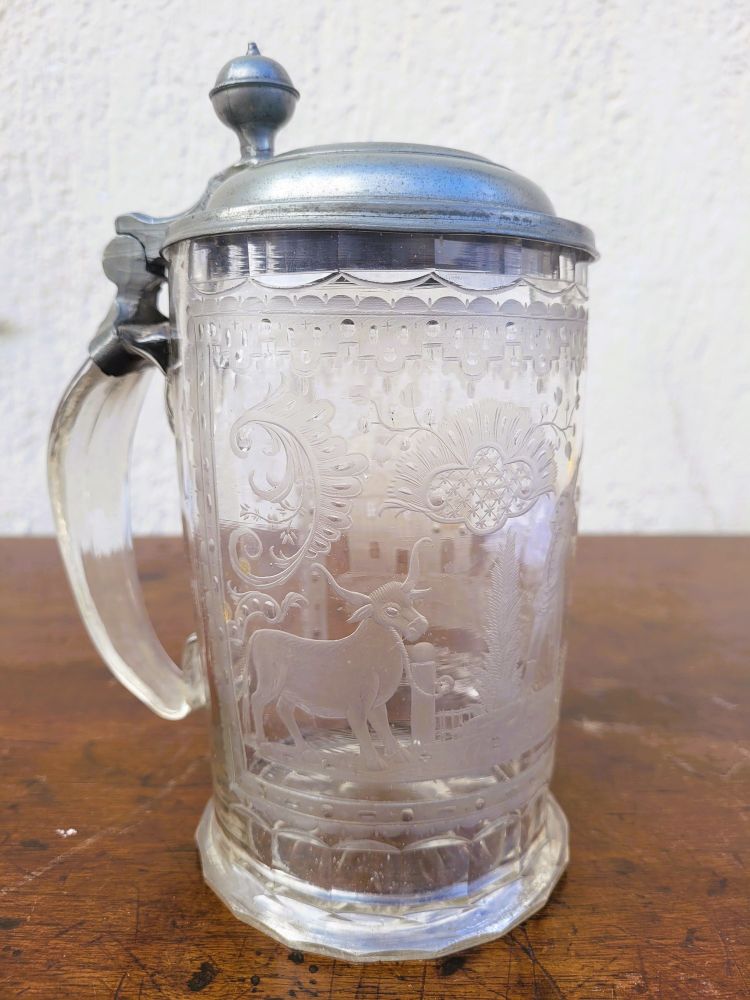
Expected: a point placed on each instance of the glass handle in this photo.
(89, 462)
(89, 467)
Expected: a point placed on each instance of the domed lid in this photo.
(361, 186)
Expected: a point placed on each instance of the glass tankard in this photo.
(374, 363)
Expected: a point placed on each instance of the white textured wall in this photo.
(631, 114)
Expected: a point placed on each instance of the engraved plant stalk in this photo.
(508, 620)
(568, 428)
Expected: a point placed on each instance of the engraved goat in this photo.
(351, 678)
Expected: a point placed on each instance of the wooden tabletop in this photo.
(100, 889)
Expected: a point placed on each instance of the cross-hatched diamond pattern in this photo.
(483, 494)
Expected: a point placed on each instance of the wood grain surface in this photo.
(100, 888)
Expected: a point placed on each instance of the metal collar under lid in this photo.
(362, 186)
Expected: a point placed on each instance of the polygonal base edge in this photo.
(371, 937)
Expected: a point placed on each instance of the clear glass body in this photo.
(380, 438)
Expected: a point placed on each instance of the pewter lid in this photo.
(361, 186)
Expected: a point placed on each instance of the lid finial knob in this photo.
(255, 97)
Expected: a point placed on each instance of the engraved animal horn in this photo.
(352, 597)
(412, 576)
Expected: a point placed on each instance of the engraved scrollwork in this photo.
(310, 481)
(254, 604)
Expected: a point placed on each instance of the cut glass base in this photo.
(438, 924)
